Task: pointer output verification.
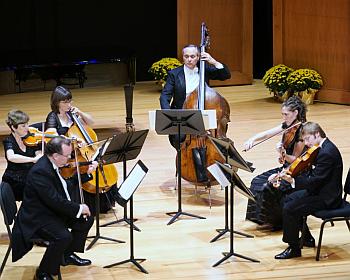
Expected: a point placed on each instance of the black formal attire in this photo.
(173, 95)
(16, 173)
(267, 207)
(46, 212)
(318, 189)
(107, 199)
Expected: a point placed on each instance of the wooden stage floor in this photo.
(182, 250)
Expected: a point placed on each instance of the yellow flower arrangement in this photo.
(275, 79)
(304, 79)
(160, 68)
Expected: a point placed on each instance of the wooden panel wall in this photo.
(315, 34)
(230, 24)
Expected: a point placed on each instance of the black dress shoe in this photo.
(73, 259)
(39, 275)
(289, 253)
(309, 242)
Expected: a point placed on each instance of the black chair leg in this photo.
(320, 240)
(59, 276)
(5, 258)
(303, 229)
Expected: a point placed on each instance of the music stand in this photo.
(235, 183)
(125, 195)
(233, 158)
(98, 158)
(126, 146)
(177, 122)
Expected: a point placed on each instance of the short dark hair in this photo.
(55, 145)
(16, 117)
(59, 94)
(312, 128)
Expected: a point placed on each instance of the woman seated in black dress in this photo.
(59, 120)
(20, 158)
(267, 208)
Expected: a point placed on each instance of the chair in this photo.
(333, 215)
(9, 211)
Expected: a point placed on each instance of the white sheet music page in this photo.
(131, 182)
(219, 175)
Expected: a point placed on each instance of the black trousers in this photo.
(62, 241)
(297, 205)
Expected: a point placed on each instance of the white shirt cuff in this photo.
(219, 66)
(80, 210)
(293, 183)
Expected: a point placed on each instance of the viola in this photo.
(299, 165)
(287, 138)
(35, 137)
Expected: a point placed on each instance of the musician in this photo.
(59, 120)
(47, 212)
(267, 211)
(183, 80)
(318, 189)
(20, 158)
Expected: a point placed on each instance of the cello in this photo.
(108, 175)
(198, 152)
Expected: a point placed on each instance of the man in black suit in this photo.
(319, 188)
(47, 212)
(183, 80)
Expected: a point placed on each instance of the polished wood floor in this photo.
(182, 250)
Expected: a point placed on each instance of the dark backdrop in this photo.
(42, 31)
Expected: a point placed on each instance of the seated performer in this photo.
(267, 209)
(184, 79)
(318, 189)
(20, 158)
(59, 120)
(47, 212)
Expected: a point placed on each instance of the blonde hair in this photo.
(16, 117)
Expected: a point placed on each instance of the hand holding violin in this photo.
(85, 210)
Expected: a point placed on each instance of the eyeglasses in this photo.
(67, 101)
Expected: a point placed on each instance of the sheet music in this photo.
(152, 120)
(131, 182)
(104, 147)
(209, 119)
(219, 175)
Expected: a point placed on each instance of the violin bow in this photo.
(284, 130)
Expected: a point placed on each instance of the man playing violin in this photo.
(317, 189)
(47, 212)
(266, 211)
(20, 158)
(183, 80)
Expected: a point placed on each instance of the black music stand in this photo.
(126, 146)
(233, 158)
(97, 200)
(177, 122)
(235, 183)
(125, 195)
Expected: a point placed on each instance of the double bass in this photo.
(198, 152)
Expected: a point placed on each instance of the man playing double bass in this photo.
(319, 188)
(47, 212)
(183, 80)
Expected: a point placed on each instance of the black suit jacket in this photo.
(325, 179)
(44, 203)
(174, 91)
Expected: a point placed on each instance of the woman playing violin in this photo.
(59, 120)
(20, 158)
(267, 209)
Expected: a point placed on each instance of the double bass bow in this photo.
(198, 152)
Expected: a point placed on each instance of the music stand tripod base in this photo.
(179, 213)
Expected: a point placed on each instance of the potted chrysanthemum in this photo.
(305, 83)
(159, 69)
(275, 79)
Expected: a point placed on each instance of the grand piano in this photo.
(58, 64)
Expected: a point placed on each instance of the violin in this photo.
(35, 136)
(299, 165)
(287, 138)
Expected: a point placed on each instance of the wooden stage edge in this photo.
(182, 250)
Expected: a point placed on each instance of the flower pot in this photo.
(281, 97)
(308, 96)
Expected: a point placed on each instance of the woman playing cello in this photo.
(20, 158)
(59, 119)
(267, 209)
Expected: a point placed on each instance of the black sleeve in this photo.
(218, 74)
(167, 92)
(8, 144)
(52, 121)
